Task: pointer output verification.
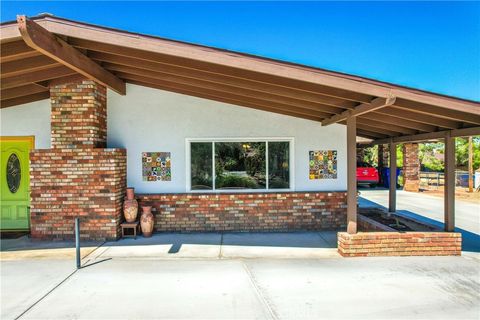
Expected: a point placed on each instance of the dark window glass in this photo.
(14, 173)
(240, 165)
(201, 165)
(278, 165)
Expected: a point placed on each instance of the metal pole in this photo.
(77, 241)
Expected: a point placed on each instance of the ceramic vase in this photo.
(130, 206)
(147, 221)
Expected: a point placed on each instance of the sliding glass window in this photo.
(240, 165)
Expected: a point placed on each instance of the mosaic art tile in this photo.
(156, 166)
(323, 164)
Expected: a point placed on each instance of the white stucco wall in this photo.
(154, 120)
(30, 119)
(150, 120)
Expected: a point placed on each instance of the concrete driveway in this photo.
(235, 276)
(330, 288)
(430, 209)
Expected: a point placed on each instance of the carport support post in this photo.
(392, 194)
(351, 174)
(449, 196)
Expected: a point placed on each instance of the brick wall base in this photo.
(248, 212)
(67, 183)
(366, 244)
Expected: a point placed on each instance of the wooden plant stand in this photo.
(130, 225)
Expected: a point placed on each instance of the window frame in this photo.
(188, 172)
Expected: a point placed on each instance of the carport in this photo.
(47, 51)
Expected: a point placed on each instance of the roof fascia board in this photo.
(236, 60)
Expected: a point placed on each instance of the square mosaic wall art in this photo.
(156, 166)
(323, 164)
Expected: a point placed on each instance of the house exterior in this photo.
(213, 140)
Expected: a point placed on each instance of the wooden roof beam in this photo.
(403, 123)
(473, 116)
(431, 119)
(363, 108)
(26, 65)
(115, 62)
(15, 51)
(242, 74)
(35, 76)
(464, 132)
(25, 90)
(24, 99)
(227, 88)
(40, 39)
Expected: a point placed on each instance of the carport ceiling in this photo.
(387, 110)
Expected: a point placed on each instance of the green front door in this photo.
(15, 183)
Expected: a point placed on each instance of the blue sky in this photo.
(433, 46)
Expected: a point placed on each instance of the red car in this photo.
(366, 174)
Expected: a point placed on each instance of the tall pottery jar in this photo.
(147, 221)
(130, 206)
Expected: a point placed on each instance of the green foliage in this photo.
(399, 155)
(430, 155)
(278, 183)
(235, 181)
(370, 156)
(461, 153)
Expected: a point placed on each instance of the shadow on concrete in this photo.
(27, 243)
(470, 240)
(94, 263)
(175, 241)
(324, 239)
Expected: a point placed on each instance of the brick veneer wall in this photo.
(85, 183)
(79, 115)
(399, 244)
(248, 212)
(411, 167)
(77, 177)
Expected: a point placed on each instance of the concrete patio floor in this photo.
(304, 245)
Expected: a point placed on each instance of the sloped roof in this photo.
(226, 76)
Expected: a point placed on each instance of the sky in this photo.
(433, 46)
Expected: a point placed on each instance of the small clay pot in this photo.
(147, 221)
(130, 193)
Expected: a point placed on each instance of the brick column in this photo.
(411, 167)
(79, 115)
(78, 177)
